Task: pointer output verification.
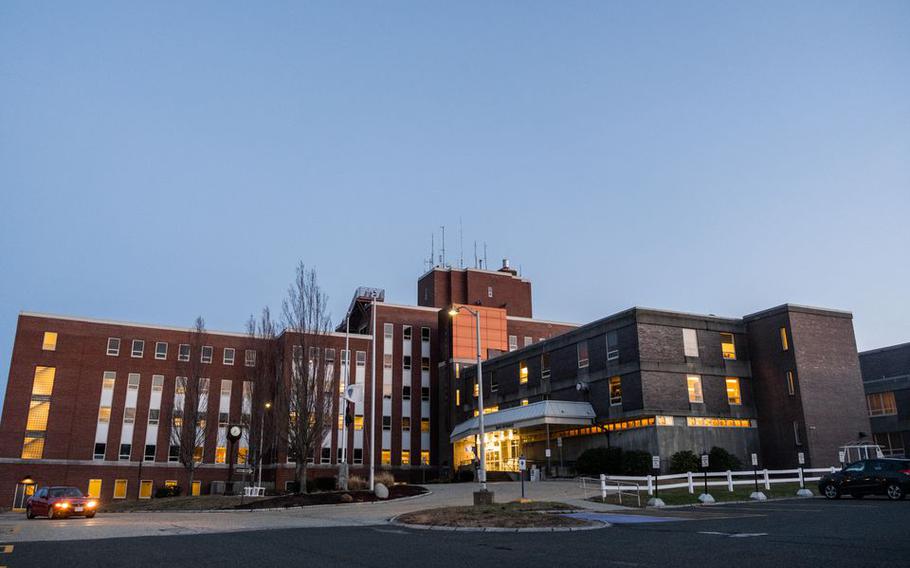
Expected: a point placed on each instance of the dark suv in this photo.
(882, 476)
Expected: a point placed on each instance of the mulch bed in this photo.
(507, 515)
(331, 498)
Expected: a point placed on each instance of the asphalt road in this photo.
(814, 532)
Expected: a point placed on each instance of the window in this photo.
(476, 390)
(733, 393)
(132, 381)
(149, 453)
(424, 424)
(791, 383)
(50, 341)
(796, 439)
(37, 415)
(694, 385)
(425, 394)
(361, 358)
(425, 364)
(881, 404)
(125, 451)
(615, 391)
(494, 384)
(457, 397)
(329, 355)
(489, 291)
(120, 488)
(43, 383)
(528, 340)
(326, 456)
(406, 362)
(386, 457)
(154, 416)
(249, 358)
(108, 380)
(582, 351)
(406, 423)
(173, 454)
(145, 489)
(183, 352)
(129, 415)
(406, 392)
(406, 332)
(388, 331)
(513, 342)
(138, 348)
(33, 447)
(405, 457)
(358, 455)
(890, 443)
(157, 383)
(358, 422)
(424, 334)
(104, 414)
(612, 346)
(387, 390)
(425, 457)
(522, 372)
(524, 402)
(690, 342)
(100, 449)
(545, 366)
(207, 354)
(386, 361)
(784, 340)
(94, 488)
(223, 418)
(161, 350)
(113, 346)
(220, 454)
(228, 358)
(727, 345)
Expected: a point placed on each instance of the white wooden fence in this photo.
(692, 480)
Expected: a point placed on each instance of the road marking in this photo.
(732, 535)
(392, 531)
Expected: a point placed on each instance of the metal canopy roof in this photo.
(561, 412)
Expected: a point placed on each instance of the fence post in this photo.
(650, 484)
(691, 485)
(603, 487)
(767, 481)
(730, 481)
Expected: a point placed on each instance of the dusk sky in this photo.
(160, 161)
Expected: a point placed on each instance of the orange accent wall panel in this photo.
(493, 332)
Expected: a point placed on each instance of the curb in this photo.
(721, 503)
(394, 521)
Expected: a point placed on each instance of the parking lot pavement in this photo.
(811, 532)
(127, 525)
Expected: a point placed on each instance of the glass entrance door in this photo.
(24, 490)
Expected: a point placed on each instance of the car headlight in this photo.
(62, 504)
(91, 504)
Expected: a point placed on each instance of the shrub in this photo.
(684, 461)
(356, 483)
(172, 491)
(293, 487)
(384, 478)
(636, 462)
(464, 475)
(595, 461)
(720, 459)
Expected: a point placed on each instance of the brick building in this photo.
(886, 379)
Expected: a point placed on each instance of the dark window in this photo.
(406, 332)
(425, 393)
(326, 455)
(612, 346)
(406, 392)
(150, 453)
(386, 422)
(125, 451)
(424, 334)
(406, 362)
(582, 349)
(424, 363)
(99, 451)
(173, 454)
(545, 366)
(358, 455)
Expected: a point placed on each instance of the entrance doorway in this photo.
(24, 490)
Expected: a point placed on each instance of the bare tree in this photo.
(188, 416)
(265, 377)
(305, 400)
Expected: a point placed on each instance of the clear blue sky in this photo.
(163, 160)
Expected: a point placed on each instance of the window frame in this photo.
(695, 396)
(211, 354)
(615, 382)
(739, 392)
(141, 350)
(116, 350)
(158, 355)
(224, 356)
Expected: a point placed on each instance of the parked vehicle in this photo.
(60, 502)
(890, 477)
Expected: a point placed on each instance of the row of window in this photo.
(184, 352)
(388, 331)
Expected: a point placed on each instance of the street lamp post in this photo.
(268, 405)
(482, 474)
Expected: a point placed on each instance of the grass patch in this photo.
(503, 515)
(184, 503)
(720, 494)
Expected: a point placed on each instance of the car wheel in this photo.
(28, 513)
(51, 514)
(895, 493)
(90, 516)
(831, 491)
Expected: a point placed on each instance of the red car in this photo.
(60, 502)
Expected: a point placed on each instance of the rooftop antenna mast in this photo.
(432, 250)
(442, 256)
(485, 265)
(460, 244)
(475, 254)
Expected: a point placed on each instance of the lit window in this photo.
(522, 372)
(386, 457)
(582, 351)
(197, 454)
(94, 488)
(405, 457)
(220, 454)
(424, 424)
(108, 380)
(33, 448)
(615, 391)
(113, 346)
(161, 350)
(120, 488)
(183, 353)
(387, 391)
(50, 341)
(733, 394)
(545, 366)
(690, 342)
(43, 384)
(524, 402)
(784, 340)
(228, 358)
(513, 342)
(727, 345)
(145, 489)
(37, 415)
(249, 357)
(476, 390)
(358, 422)
(881, 404)
(138, 348)
(206, 354)
(425, 457)
(104, 414)
(694, 385)
(457, 397)
(791, 383)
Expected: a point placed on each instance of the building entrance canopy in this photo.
(553, 412)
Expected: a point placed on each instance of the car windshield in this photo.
(64, 492)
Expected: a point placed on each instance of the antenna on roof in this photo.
(432, 250)
(442, 257)
(460, 244)
(485, 265)
(475, 254)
